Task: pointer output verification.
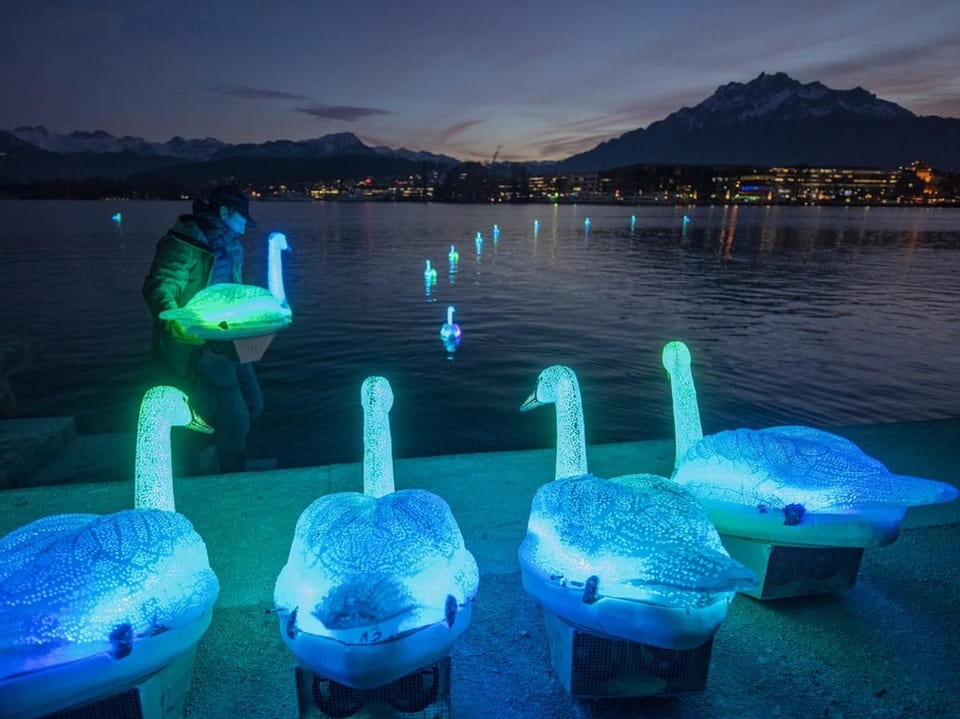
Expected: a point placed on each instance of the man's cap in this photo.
(232, 197)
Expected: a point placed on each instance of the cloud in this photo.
(254, 93)
(346, 113)
(454, 130)
(567, 146)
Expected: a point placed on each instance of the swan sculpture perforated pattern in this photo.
(789, 471)
(75, 587)
(377, 584)
(633, 557)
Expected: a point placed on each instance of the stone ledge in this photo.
(26, 445)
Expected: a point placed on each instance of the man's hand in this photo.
(180, 334)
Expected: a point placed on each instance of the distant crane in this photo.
(496, 152)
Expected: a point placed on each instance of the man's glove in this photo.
(180, 334)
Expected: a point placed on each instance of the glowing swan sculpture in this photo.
(378, 584)
(91, 602)
(450, 331)
(792, 484)
(228, 311)
(634, 557)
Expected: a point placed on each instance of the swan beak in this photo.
(530, 403)
(198, 423)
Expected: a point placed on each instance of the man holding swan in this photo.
(202, 249)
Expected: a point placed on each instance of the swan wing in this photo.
(104, 580)
(645, 538)
(779, 466)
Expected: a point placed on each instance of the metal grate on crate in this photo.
(424, 694)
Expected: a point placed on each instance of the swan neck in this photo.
(571, 436)
(686, 411)
(153, 464)
(377, 456)
(275, 273)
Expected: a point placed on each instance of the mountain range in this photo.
(771, 120)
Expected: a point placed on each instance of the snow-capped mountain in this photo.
(774, 119)
(199, 150)
(206, 149)
(100, 142)
(780, 97)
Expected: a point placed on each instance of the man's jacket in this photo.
(182, 266)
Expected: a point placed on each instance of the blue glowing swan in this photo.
(90, 602)
(227, 311)
(378, 584)
(634, 557)
(793, 483)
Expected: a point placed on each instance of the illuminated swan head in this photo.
(558, 385)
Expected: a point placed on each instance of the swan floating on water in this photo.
(429, 274)
(377, 585)
(89, 603)
(228, 311)
(634, 557)
(791, 484)
(450, 331)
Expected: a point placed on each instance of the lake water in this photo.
(820, 316)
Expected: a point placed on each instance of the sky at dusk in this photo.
(538, 80)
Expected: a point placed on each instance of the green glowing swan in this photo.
(378, 584)
(228, 311)
(634, 556)
(792, 473)
(135, 585)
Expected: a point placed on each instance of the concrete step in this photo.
(27, 445)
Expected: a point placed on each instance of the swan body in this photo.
(229, 311)
(633, 557)
(793, 484)
(89, 602)
(378, 584)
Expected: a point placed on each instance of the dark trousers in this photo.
(227, 395)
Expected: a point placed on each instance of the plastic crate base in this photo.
(424, 694)
(788, 571)
(595, 667)
(162, 695)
